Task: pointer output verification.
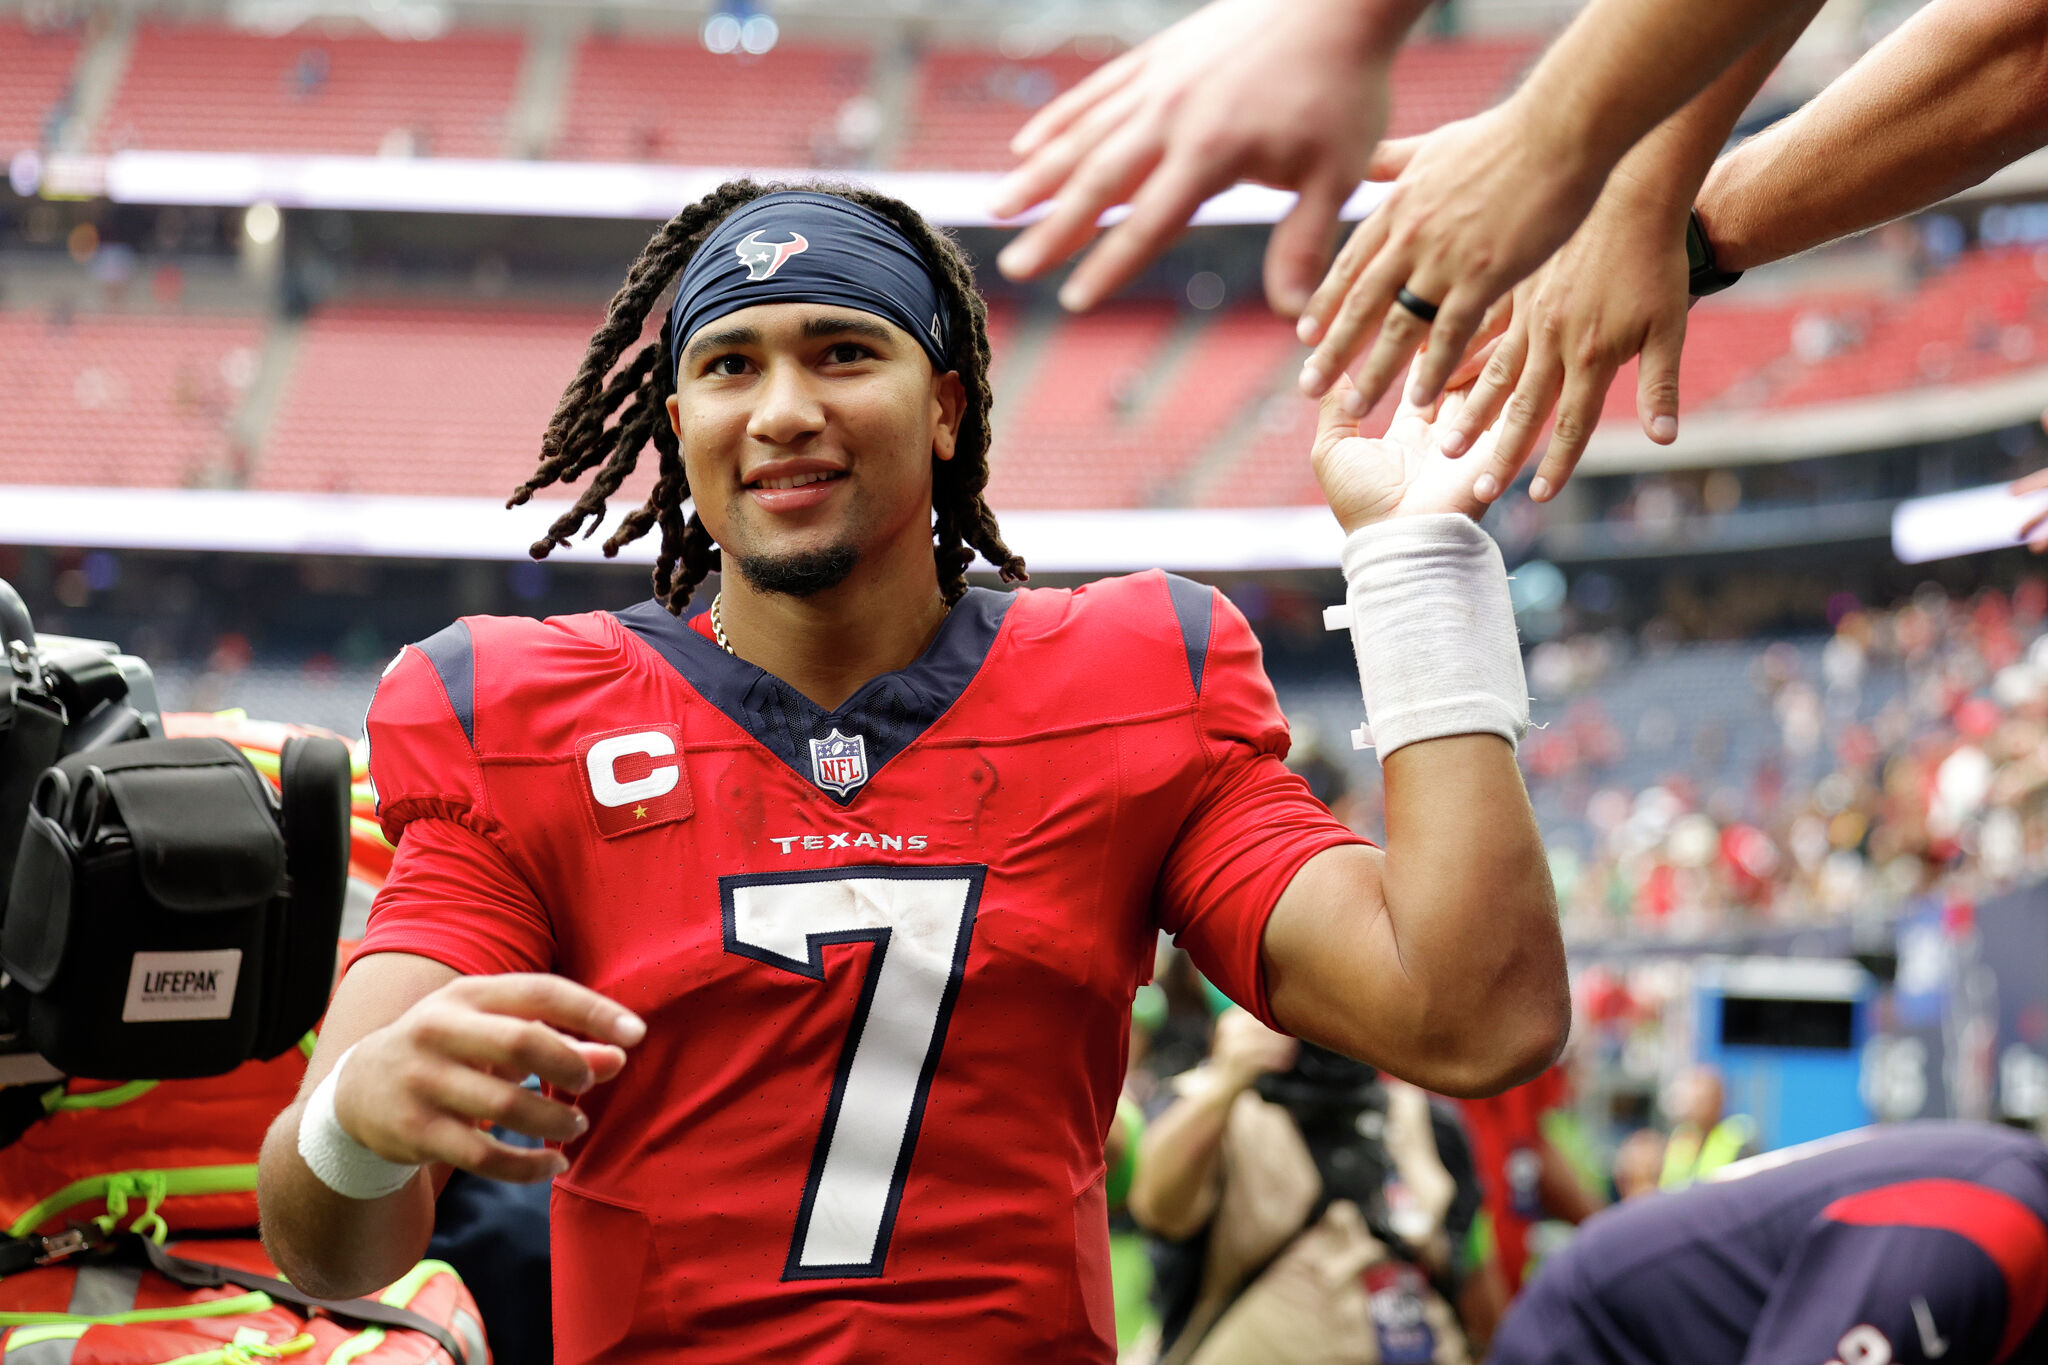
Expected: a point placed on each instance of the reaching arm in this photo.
(436, 1055)
(1477, 210)
(362, 1244)
(1290, 93)
(1440, 959)
(1617, 289)
(1958, 91)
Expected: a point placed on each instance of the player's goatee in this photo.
(802, 573)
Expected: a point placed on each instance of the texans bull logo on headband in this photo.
(853, 257)
(763, 259)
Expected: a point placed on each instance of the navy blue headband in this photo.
(795, 247)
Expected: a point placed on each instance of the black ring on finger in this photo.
(1416, 304)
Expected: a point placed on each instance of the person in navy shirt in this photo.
(1920, 1242)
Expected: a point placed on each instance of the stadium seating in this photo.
(35, 73)
(636, 99)
(1139, 404)
(408, 400)
(201, 89)
(1073, 439)
(122, 401)
(1436, 81)
(1986, 314)
(970, 101)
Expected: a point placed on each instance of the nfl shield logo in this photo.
(839, 763)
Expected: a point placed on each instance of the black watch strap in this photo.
(1705, 277)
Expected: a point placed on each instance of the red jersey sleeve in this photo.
(454, 897)
(1251, 826)
(423, 762)
(455, 892)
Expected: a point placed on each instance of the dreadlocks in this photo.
(578, 438)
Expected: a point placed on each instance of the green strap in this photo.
(57, 1102)
(399, 1295)
(255, 1301)
(56, 1331)
(118, 1186)
(240, 1352)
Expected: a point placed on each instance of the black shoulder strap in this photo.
(360, 1312)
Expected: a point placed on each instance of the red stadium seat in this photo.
(969, 102)
(122, 401)
(204, 89)
(35, 72)
(1068, 443)
(1438, 80)
(635, 99)
(429, 401)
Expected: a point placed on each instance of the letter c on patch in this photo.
(603, 761)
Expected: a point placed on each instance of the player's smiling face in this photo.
(808, 432)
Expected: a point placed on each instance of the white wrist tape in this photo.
(343, 1164)
(1434, 632)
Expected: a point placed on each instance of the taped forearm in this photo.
(326, 1243)
(1433, 630)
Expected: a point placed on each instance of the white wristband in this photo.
(343, 1164)
(1434, 631)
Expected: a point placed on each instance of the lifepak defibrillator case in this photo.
(168, 917)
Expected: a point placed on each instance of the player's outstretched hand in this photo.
(1616, 290)
(1402, 474)
(417, 1090)
(1475, 206)
(1291, 93)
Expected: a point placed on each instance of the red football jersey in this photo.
(885, 954)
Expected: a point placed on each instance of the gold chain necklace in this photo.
(718, 625)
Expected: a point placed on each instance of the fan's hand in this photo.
(1290, 93)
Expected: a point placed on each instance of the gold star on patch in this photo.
(639, 812)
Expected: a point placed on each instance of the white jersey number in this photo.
(919, 920)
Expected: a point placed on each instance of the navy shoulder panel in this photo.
(453, 654)
(1194, 604)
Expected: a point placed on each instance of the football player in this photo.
(820, 912)
(1920, 1243)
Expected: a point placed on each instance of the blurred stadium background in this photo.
(289, 287)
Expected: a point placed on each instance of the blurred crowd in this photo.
(1803, 781)
(1910, 753)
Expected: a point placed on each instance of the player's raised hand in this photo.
(418, 1089)
(1290, 93)
(1400, 474)
(1616, 290)
(1476, 206)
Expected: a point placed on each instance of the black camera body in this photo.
(163, 912)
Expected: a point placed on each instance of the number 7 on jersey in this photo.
(920, 920)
